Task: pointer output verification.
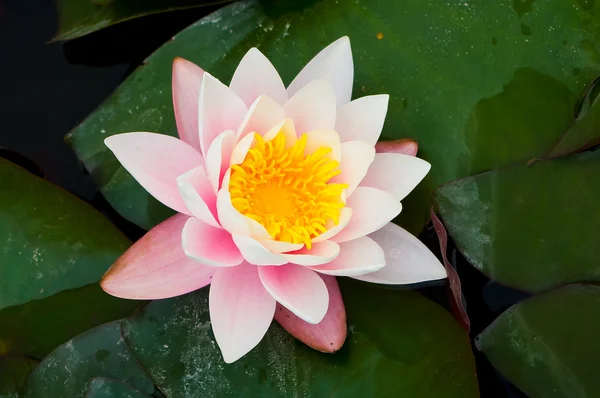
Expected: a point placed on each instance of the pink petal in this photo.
(333, 63)
(327, 138)
(405, 146)
(256, 253)
(156, 267)
(209, 245)
(362, 119)
(319, 253)
(326, 336)
(357, 156)
(220, 109)
(297, 288)
(281, 247)
(407, 259)
(155, 161)
(357, 257)
(241, 310)
(263, 114)
(396, 173)
(333, 230)
(372, 209)
(187, 79)
(256, 76)
(198, 195)
(312, 107)
(218, 157)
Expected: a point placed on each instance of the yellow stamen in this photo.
(287, 191)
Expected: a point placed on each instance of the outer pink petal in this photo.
(405, 146)
(408, 172)
(220, 109)
(372, 209)
(326, 336)
(256, 253)
(263, 114)
(209, 245)
(155, 161)
(408, 260)
(218, 157)
(362, 119)
(241, 310)
(357, 257)
(333, 63)
(256, 76)
(357, 156)
(156, 267)
(198, 195)
(312, 107)
(187, 79)
(319, 253)
(333, 230)
(297, 288)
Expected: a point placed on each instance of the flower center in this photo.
(286, 190)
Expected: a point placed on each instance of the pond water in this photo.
(48, 88)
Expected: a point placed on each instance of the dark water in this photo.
(48, 88)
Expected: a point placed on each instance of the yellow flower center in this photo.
(286, 190)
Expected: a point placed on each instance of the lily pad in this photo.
(506, 91)
(103, 387)
(547, 346)
(51, 242)
(67, 371)
(402, 345)
(81, 17)
(531, 227)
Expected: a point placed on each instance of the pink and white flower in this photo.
(279, 190)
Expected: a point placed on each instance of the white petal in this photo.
(327, 138)
(255, 76)
(241, 310)
(372, 209)
(219, 110)
(312, 108)
(261, 117)
(357, 257)
(256, 253)
(218, 157)
(285, 127)
(362, 119)
(240, 150)
(198, 195)
(319, 253)
(333, 230)
(229, 217)
(333, 63)
(396, 173)
(281, 247)
(357, 156)
(407, 259)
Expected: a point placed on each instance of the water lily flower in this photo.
(279, 190)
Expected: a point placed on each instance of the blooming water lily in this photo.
(279, 190)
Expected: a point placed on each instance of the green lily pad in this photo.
(506, 91)
(81, 17)
(530, 227)
(103, 387)
(101, 352)
(401, 345)
(547, 346)
(13, 372)
(60, 317)
(51, 242)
